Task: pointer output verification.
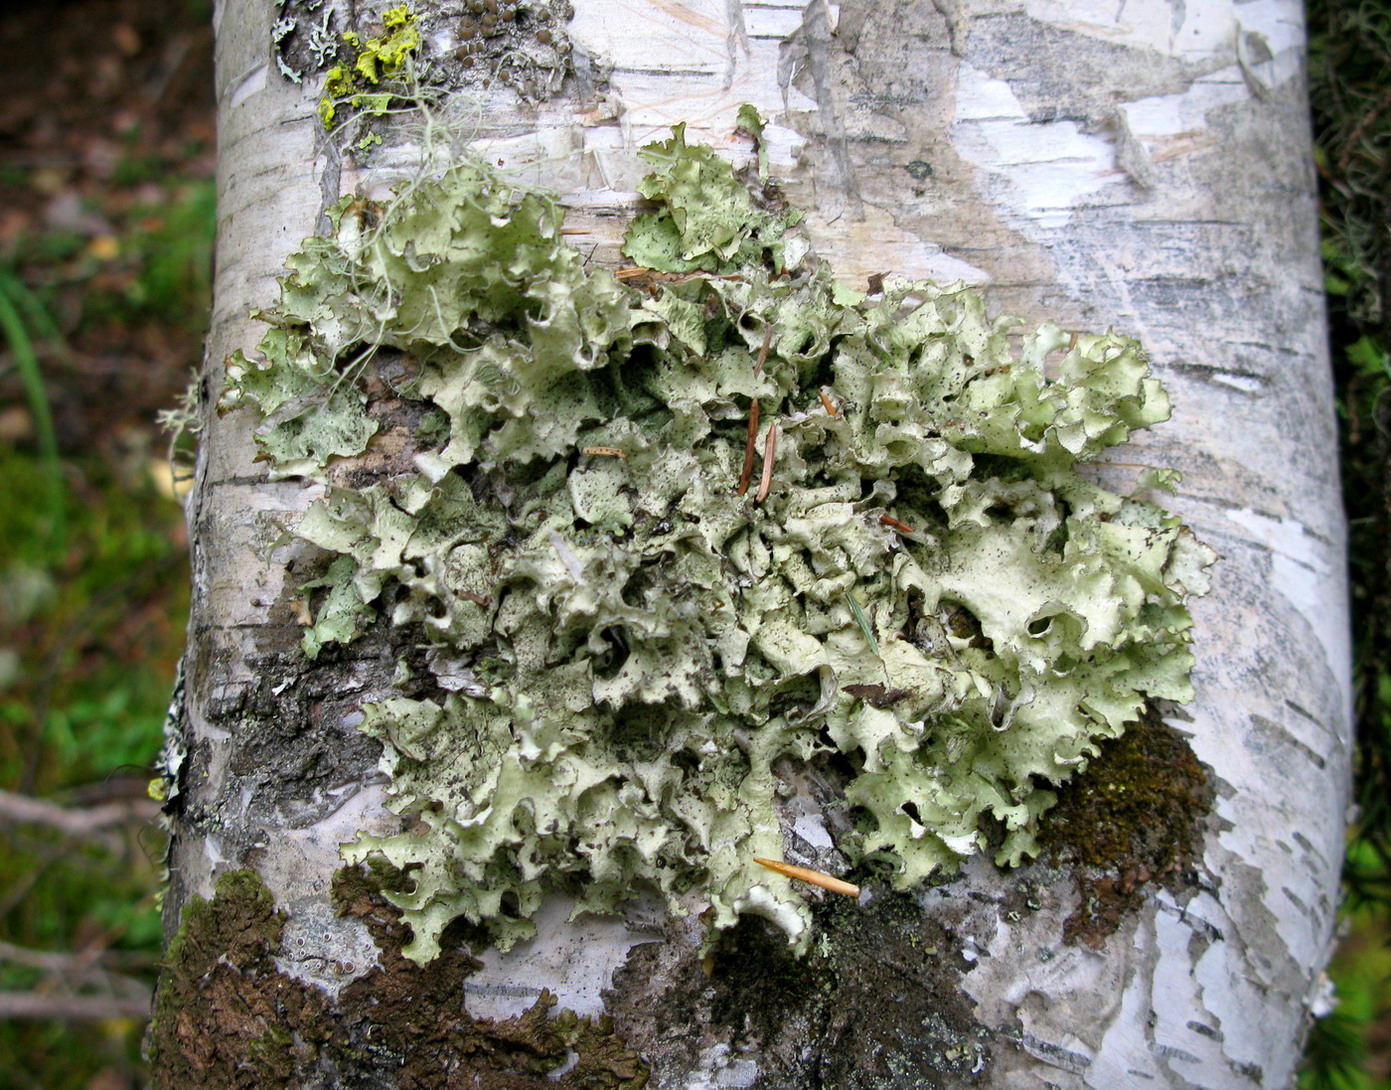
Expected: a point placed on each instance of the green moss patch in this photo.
(1136, 818)
(226, 1016)
(876, 1003)
(661, 534)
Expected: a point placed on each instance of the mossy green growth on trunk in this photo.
(662, 533)
(226, 1016)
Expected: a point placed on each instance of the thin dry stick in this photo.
(748, 448)
(763, 352)
(815, 877)
(638, 272)
(828, 404)
(770, 446)
(56, 961)
(73, 1008)
(1355, 137)
(23, 809)
(900, 526)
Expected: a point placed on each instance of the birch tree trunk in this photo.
(1144, 166)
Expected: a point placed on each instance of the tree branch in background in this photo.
(74, 1008)
(80, 823)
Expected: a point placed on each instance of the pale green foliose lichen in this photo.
(928, 588)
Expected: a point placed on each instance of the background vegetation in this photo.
(106, 222)
(1350, 91)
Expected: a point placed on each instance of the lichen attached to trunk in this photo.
(662, 531)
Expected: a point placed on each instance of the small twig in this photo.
(76, 823)
(749, 448)
(58, 961)
(806, 874)
(763, 352)
(828, 404)
(611, 452)
(770, 446)
(1355, 137)
(73, 1008)
(640, 272)
(901, 527)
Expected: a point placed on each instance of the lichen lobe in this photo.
(628, 633)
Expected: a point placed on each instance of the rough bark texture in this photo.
(1143, 166)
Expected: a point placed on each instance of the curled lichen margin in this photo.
(639, 600)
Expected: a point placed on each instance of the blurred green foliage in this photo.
(90, 630)
(1349, 64)
(92, 618)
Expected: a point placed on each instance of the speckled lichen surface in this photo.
(663, 532)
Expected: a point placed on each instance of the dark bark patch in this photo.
(1137, 816)
(294, 742)
(521, 44)
(876, 1005)
(226, 1016)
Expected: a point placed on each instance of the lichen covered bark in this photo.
(627, 625)
(1108, 170)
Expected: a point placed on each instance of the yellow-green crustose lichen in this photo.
(916, 577)
(358, 83)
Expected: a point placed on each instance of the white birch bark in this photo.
(1143, 165)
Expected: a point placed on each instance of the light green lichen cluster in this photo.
(634, 648)
(358, 84)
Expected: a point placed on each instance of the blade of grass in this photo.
(13, 297)
(863, 622)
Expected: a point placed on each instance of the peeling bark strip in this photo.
(1104, 172)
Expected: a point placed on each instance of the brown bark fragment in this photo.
(226, 1016)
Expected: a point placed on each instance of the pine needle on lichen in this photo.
(642, 642)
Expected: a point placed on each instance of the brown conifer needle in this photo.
(815, 877)
(828, 404)
(748, 448)
(770, 446)
(763, 352)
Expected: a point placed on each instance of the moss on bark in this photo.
(227, 1016)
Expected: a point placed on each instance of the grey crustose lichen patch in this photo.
(665, 531)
